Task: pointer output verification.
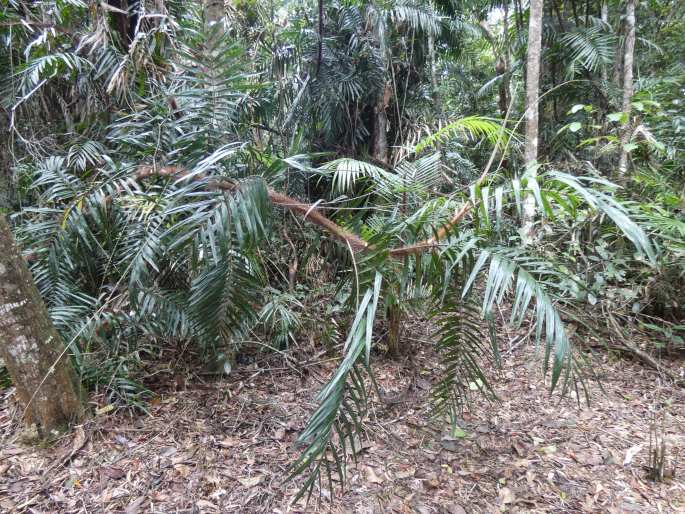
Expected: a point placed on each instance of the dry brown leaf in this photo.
(229, 442)
(167, 451)
(183, 457)
(506, 496)
(631, 453)
(371, 475)
(251, 481)
(183, 470)
(588, 459)
(134, 506)
(405, 473)
(519, 448)
(112, 472)
(205, 506)
(455, 508)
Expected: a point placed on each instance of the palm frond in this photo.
(529, 278)
(469, 128)
(461, 344)
(592, 47)
(341, 402)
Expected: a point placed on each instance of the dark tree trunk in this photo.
(6, 186)
(32, 349)
(380, 132)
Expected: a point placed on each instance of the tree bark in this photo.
(501, 63)
(394, 317)
(532, 110)
(380, 140)
(394, 314)
(628, 54)
(214, 10)
(6, 199)
(32, 349)
(605, 21)
(434, 73)
(533, 81)
(504, 92)
(618, 56)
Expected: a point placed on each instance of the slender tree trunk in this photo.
(576, 19)
(533, 81)
(518, 14)
(434, 72)
(380, 140)
(532, 110)
(605, 21)
(506, 86)
(5, 187)
(502, 62)
(627, 85)
(214, 10)
(503, 100)
(380, 154)
(31, 347)
(5, 164)
(394, 328)
(618, 57)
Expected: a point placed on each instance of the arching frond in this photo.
(341, 401)
(529, 278)
(469, 128)
(346, 172)
(592, 47)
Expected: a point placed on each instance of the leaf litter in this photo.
(225, 446)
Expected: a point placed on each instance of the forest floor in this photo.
(225, 446)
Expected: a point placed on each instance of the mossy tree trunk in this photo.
(30, 346)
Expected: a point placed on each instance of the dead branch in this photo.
(650, 361)
(311, 213)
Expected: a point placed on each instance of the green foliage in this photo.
(281, 319)
(5, 379)
(461, 344)
(342, 400)
(591, 47)
(145, 164)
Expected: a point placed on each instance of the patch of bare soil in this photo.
(225, 446)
